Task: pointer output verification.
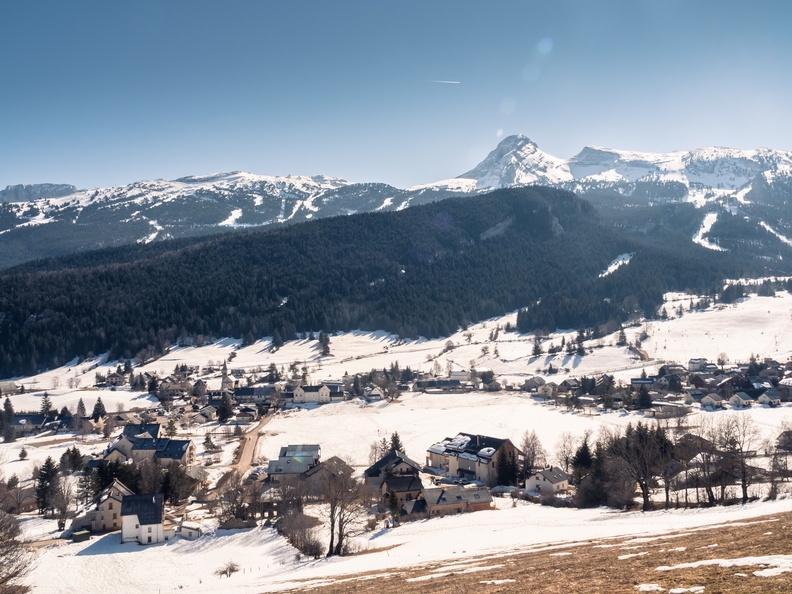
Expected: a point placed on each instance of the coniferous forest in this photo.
(424, 271)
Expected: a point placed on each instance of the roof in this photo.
(743, 396)
(553, 474)
(401, 484)
(456, 494)
(482, 446)
(334, 465)
(36, 419)
(172, 449)
(300, 449)
(388, 461)
(147, 508)
(132, 430)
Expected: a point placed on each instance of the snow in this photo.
(774, 564)
(618, 262)
(267, 563)
(232, 218)
(153, 235)
(780, 236)
(649, 588)
(700, 237)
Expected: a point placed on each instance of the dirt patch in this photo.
(612, 566)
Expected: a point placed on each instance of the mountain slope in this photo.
(422, 271)
(51, 220)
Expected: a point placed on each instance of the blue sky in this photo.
(97, 92)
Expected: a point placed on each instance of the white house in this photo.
(107, 514)
(320, 394)
(548, 480)
(712, 401)
(142, 519)
(740, 400)
(769, 399)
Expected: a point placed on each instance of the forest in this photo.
(427, 270)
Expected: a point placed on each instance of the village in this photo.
(141, 457)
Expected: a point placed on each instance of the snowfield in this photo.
(701, 235)
(347, 429)
(268, 563)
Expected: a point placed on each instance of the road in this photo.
(248, 445)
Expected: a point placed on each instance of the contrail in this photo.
(447, 82)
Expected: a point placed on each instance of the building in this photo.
(741, 400)
(142, 442)
(472, 457)
(106, 515)
(453, 499)
(319, 394)
(548, 480)
(400, 489)
(293, 461)
(712, 401)
(255, 394)
(142, 519)
(394, 463)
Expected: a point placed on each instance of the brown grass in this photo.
(595, 567)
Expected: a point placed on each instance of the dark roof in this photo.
(173, 449)
(388, 461)
(334, 465)
(148, 508)
(133, 429)
(482, 446)
(36, 419)
(401, 484)
(301, 450)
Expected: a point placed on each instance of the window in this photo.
(110, 506)
(149, 528)
(115, 516)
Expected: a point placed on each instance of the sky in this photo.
(101, 93)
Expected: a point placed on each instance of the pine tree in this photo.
(582, 460)
(170, 428)
(644, 399)
(395, 442)
(45, 485)
(8, 421)
(98, 410)
(226, 408)
(23, 454)
(46, 405)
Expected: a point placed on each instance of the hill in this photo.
(422, 271)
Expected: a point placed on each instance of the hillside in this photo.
(423, 271)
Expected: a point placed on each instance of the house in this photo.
(190, 530)
(106, 515)
(398, 489)
(697, 364)
(712, 401)
(571, 384)
(172, 388)
(532, 384)
(320, 394)
(142, 519)
(694, 395)
(548, 480)
(741, 400)
(30, 423)
(454, 499)
(315, 478)
(473, 457)
(439, 386)
(7, 388)
(142, 442)
(246, 414)
(394, 463)
(207, 414)
(547, 390)
(255, 394)
(771, 397)
(116, 379)
(293, 460)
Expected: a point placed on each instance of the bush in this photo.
(228, 569)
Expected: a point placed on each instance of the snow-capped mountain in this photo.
(739, 185)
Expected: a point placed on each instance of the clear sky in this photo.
(98, 92)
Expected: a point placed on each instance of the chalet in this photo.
(784, 441)
(393, 463)
(712, 401)
(246, 414)
(694, 395)
(293, 460)
(453, 499)
(143, 442)
(172, 389)
(697, 364)
(316, 476)
(532, 384)
(374, 393)
(672, 369)
(771, 397)
(473, 457)
(207, 414)
(547, 390)
(741, 400)
(106, 514)
(30, 423)
(398, 489)
(571, 384)
(116, 379)
(142, 519)
(548, 480)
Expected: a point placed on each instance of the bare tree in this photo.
(14, 561)
(534, 454)
(565, 449)
(741, 438)
(62, 497)
(345, 499)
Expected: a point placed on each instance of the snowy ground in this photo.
(347, 429)
(268, 563)
(756, 325)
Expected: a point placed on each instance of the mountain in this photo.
(425, 270)
(738, 199)
(22, 192)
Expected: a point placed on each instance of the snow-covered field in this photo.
(347, 429)
(268, 563)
